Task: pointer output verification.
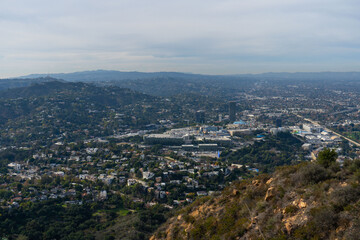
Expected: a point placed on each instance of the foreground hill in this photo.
(306, 201)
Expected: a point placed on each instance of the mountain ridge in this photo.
(132, 75)
(173, 83)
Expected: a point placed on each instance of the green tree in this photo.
(326, 157)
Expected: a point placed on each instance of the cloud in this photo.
(209, 36)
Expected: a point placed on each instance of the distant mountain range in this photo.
(107, 75)
(160, 83)
(172, 83)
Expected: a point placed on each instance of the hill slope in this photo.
(23, 82)
(53, 110)
(305, 201)
(75, 110)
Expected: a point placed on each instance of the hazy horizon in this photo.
(125, 71)
(201, 37)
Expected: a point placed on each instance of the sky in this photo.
(198, 36)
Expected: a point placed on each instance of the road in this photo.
(328, 130)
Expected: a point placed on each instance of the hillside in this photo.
(306, 201)
(72, 111)
(23, 82)
(57, 110)
(57, 88)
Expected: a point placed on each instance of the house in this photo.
(148, 175)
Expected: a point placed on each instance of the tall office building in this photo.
(278, 122)
(232, 111)
(200, 116)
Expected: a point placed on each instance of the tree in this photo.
(326, 157)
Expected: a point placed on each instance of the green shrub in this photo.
(261, 206)
(310, 174)
(281, 192)
(352, 233)
(335, 167)
(324, 218)
(357, 175)
(198, 232)
(345, 195)
(210, 225)
(306, 232)
(256, 192)
(189, 219)
(291, 209)
(326, 157)
(354, 165)
(280, 237)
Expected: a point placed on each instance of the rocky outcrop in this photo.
(270, 193)
(273, 206)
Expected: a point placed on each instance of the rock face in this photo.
(270, 193)
(275, 206)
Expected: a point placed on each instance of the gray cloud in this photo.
(228, 36)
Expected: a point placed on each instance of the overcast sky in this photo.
(199, 36)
